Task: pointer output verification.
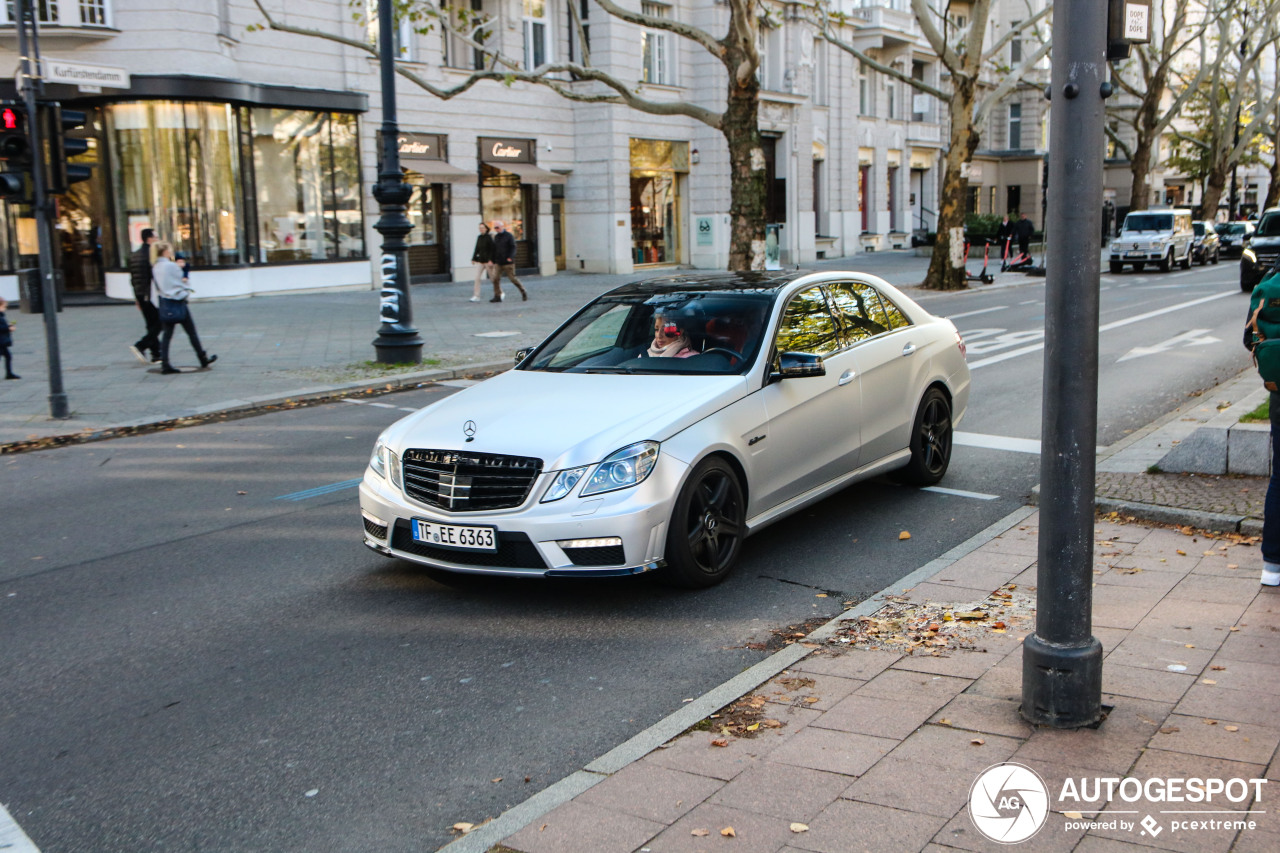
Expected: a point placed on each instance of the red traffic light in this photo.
(9, 119)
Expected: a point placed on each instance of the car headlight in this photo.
(563, 483)
(385, 460)
(623, 468)
(1249, 256)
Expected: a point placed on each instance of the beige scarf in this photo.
(670, 350)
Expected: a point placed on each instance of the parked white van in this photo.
(1161, 236)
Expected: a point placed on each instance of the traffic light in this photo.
(15, 151)
(54, 126)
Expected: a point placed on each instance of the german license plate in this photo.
(464, 537)
(1135, 254)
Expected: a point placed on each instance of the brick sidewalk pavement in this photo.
(873, 739)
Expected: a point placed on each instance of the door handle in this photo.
(909, 349)
(846, 377)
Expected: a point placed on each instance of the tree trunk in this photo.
(741, 129)
(1214, 186)
(946, 267)
(1140, 194)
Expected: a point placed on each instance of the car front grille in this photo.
(377, 531)
(1266, 256)
(456, 481)
(515, 550)
(607, 555)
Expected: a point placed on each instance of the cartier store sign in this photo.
(498, 151)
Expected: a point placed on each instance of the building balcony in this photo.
(883, 26)
(923, 131)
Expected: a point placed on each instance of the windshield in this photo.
(1235, 228)
(1148, 222)
(1198, 227)
(682, 332)
(1269, 226)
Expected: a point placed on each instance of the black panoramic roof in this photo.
(743, 282)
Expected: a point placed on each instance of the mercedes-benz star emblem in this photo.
(469, 429)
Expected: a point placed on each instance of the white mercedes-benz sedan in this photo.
(665, 422)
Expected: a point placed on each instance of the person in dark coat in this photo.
(6, 341)
(1023, 231)
(504, 261)
(482, 257)
(140, 278)
(1004, 235)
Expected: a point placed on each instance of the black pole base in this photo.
(390, 351)
(1061, 685)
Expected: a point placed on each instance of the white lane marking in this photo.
(12, 838)
(960, 493)
(407, 409)
(1193, 338)
(1031, 302)
(357, 402)
(383, 405)
(1005, 356)
(503, 334)
(975, 313)
(997, 442)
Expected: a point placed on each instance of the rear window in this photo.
(1198, 227)
(1235, 228)
(1148, 222)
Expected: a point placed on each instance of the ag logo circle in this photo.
(1008, 803)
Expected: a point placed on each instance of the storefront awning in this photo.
(530, 174)
(438, 171)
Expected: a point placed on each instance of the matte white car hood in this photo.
(565, 419)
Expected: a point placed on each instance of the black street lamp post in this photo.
(398, 341)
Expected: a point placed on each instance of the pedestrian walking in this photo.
(1024, 229)
(147, 347)
(6, 340)
(1004, 235)
(504, 261)
(1271, 505)
(174, 310)
(482, 258)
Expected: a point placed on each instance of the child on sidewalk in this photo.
(6, 341)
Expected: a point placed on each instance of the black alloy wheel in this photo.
(707, 527)
(930, 441)
(1216, 252)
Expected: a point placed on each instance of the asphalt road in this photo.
(199, 654)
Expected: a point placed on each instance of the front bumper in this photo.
(529, 537)
(1127, 256)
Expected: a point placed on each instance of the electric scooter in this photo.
(1023, 260)
(983, 276)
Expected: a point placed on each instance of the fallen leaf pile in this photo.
(928, 628)
(744, 718)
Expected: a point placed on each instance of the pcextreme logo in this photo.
(1009, 803)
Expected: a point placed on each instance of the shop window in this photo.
(657, 55)
(537, 49)
(656, 169)
(176, 167)
(307, 177)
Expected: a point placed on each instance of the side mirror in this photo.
(793, 365)
(522, 354)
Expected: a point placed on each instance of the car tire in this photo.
(1215, 257)
(931, 437)
(708, 524)
(1247, 286)
(1166, 263)
(1186, 261)
(1117, 268)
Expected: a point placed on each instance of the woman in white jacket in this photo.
(172, 288)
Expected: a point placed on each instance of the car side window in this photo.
(892, 316)
(807, 325)
(858, 310)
